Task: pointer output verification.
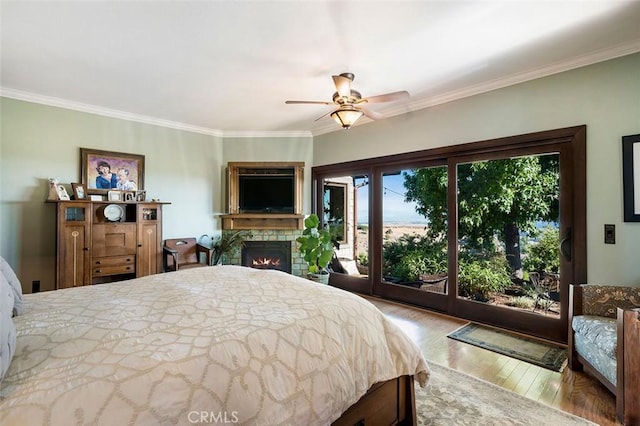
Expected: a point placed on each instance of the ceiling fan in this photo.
(351, 104)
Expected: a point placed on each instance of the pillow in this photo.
(14, 282)
(349, 265)
(7, 327)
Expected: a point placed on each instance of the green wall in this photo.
(604, 96)
(181, 167)
(188, 169)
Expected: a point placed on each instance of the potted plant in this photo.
(316, 248)
(228, 244)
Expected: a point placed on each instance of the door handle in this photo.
(565, 246)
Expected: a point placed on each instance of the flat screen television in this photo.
(266, 194)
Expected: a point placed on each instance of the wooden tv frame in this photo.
(236, 219)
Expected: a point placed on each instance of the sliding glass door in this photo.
(414, 235)
(345, 213)
(509, 268)
(492, 231)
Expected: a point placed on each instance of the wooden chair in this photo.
(604, 340)
(181, 253)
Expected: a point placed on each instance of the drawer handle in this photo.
(98, 262)
(98, 271)
(128, 267)
(128, 260)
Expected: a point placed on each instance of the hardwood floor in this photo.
(573, 392)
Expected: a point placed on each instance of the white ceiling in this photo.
(226, 67)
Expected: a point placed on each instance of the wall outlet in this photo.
(609, 234)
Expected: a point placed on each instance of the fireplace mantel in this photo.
(262, 221)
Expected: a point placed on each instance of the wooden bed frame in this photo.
(386, 403)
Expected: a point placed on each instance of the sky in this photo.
(396, 211)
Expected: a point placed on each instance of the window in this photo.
(530, 190)
(334, 209)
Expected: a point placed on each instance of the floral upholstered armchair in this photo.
(604, 339)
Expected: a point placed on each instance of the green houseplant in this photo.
(316, 248)
(228, 244)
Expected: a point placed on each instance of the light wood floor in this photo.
(573, 392)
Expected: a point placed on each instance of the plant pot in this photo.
(319, 278)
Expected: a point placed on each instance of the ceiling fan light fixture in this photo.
(351, 104)
(346, 116)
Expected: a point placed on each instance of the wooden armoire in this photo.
(104, 241)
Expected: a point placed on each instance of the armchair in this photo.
(181, 253)
(604, 340)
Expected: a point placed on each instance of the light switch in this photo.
(609, 234)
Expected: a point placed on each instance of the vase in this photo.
(319, 278)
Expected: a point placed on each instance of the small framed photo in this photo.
(96, 197)
(141, 196)
(129, 196)
(114, 196)
(79, 191)
(62, 192)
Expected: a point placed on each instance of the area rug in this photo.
(452, 398)
(534, 351)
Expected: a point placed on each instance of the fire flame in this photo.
(266, 261)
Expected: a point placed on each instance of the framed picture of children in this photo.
(103, 171)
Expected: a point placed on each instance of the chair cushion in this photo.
(599, 332)
(602, 362)
(603, 300)
(349, 266)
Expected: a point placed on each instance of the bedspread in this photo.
(205, 345)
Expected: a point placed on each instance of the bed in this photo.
(214, 344)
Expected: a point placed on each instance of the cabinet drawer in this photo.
(114, 261)
(113, 240)
(113, 265)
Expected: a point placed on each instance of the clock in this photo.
(113, 213)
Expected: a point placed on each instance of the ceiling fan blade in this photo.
(323, 116)
(387, 97)
(371, 114)
(309, 102)
(343, 85)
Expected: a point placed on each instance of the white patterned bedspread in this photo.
(205, 345)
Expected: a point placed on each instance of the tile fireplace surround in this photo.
(298, 266)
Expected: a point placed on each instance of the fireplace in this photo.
(267, 255)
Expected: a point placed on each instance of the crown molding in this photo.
(403, 108)
(92, 109)
(522, 77)
(267, 134)
(499, 83)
